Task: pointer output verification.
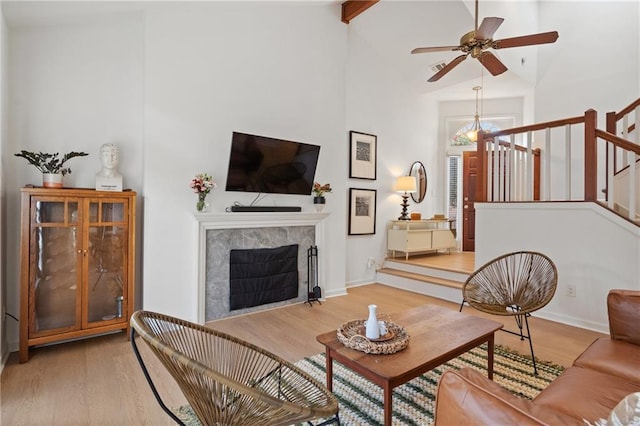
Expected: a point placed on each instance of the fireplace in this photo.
(219, 233)
(262, 276)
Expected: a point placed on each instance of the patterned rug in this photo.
(413, 403)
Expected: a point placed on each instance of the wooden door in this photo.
(469, 181)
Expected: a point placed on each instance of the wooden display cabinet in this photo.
(77, 264)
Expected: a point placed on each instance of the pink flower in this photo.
(202, 184)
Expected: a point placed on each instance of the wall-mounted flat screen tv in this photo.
(273, 166)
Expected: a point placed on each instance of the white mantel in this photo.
(242, 220)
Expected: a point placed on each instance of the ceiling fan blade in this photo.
(528, 40)
(451, 65)
(434, 49)
(492, 63)
(488, 27)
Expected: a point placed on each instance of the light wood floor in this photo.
(98, 381)
(463, 261)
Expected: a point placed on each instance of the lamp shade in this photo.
(406, 184)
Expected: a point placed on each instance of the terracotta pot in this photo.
(52, 180)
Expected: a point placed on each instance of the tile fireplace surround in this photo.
(220, 232)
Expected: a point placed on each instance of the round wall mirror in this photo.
(420, 173)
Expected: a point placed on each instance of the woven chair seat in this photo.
(228, 381)
(512, 284)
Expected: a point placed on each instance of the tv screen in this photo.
(268, 165)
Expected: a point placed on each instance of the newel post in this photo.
(612, 125)
(481, 171)
(590, 156)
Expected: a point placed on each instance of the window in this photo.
(453, 177)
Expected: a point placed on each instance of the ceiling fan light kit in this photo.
(477, 42)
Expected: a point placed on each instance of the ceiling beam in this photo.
(353, 8)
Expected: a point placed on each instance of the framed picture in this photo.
(362, 155)
(362, 211)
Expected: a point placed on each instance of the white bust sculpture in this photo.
(108, 178)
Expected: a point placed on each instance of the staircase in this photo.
(436, 275)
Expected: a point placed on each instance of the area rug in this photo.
(413, 403)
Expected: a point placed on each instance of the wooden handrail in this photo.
(627, 110)
(507, 144)
(618, 141)
(538, 126)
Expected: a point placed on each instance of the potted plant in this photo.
(318, 194)
(51, 165)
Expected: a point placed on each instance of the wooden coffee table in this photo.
(437, 335)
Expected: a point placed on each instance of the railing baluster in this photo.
(625, 135)
(632, 184)
(513, 169)
(529, 167)
(496, 171)
(611, 149)
(567, 153)
(636, 129)
(547, 169)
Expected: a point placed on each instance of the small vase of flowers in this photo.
(202, 184)
(318, 194)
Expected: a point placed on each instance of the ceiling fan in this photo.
(476, 43)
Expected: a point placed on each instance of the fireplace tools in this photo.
(314, 293)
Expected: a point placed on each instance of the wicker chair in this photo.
(513, 284)
(228, 381)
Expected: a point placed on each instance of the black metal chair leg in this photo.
(461, 306)
(518, 319)
(148, 377)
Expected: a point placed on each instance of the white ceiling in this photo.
(391, 27)
(395, 27)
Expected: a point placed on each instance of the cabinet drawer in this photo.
(419, 241)
(443, 238)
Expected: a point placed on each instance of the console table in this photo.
(412, 236)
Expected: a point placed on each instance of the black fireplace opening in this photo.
(262, 276)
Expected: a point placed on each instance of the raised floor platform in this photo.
(439, 275)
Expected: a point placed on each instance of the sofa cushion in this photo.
(614, 357)
(623, 307)
(583, 393)
(469, 397)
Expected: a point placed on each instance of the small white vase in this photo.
(372, 330)
(318, 203)
(52, 180)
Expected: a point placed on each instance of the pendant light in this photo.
(472, 133)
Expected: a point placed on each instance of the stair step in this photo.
(422, 277)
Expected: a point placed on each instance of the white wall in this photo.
(380, 103)
(593, 249)
(273, 69)
(585, 70)
(4, 348)
(71, 87)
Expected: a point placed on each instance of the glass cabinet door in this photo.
(107, 265)
(55, 270)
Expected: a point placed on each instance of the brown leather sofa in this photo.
(602, 376)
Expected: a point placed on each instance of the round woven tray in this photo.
(351, 334)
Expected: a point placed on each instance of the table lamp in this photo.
(405, 185)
